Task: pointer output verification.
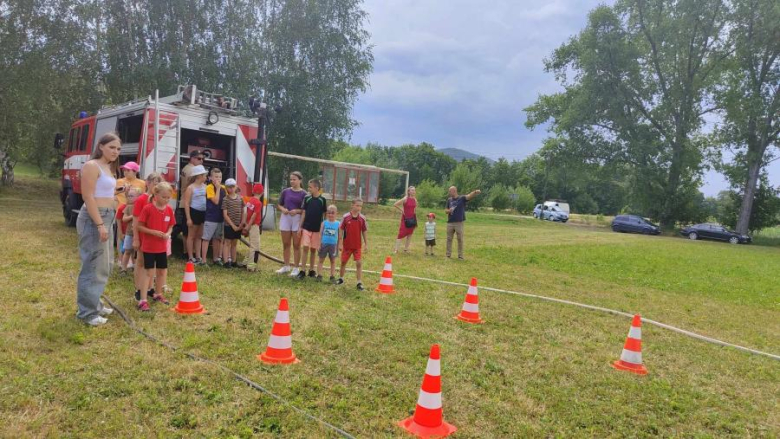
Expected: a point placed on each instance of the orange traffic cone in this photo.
(427, 420)
(386, 282)
(470, 311)
(631, 357)
(189, 301)
(279, 350)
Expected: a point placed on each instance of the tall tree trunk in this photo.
(754, 170)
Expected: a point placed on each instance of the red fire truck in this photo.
(158, 133)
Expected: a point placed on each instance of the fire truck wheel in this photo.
(67, 210)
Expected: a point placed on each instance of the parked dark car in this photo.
(716, 232)
(634, 224)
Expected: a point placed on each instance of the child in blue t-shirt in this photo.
(329, 243)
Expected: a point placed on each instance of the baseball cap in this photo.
(230, 182)
(432, 215)
(258, 188)
(195, 153)
(198, 170)
(131, 166)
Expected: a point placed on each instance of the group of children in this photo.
(146, 221)
(216, 214)
(323, 235)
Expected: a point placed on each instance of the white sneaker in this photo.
(285, 269)
(294, 272)
(97, 321)
(105, 311)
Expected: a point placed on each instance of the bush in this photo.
(466, 179)
(499, 197)
(524, 200)
(430, 194)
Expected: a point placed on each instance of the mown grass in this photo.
(535, 369)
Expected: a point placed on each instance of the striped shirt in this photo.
(234, 207)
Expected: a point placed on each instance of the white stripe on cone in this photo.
(189, 276)
(430, 401)
(280, 341)
(189, 297)
(473, 291)
(389, 267)
(631, 357)
(282, 317)
(433, 368)
(635, 332)
(473, 307)
(385, 281)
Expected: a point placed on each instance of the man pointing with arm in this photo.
(456, 215)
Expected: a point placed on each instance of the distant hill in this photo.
(459, 155)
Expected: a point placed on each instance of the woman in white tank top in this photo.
(94, 225)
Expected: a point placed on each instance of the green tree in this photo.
(524, 199)
(430, 194)
(643, 72)
(751, 96)
(499, 198)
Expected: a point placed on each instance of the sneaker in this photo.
(143, 306)
(360, 286)
(97, 321)
(283, 270)
(105, 311)
(332, 280)
(160, 298)
(137, 295)
(228, 264)
(219, 262)
(301, 274)
(294, 272)
(319, 278)
(193, 260)
(200, 261)
(312, 273)
(340, 281)
(461, 258)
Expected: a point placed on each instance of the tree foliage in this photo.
(62, 56)
(637, 81)
(430, 194)
(524, 199)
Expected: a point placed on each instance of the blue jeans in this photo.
(95, 262)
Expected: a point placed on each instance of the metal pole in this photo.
(406, 189)
(156, 127)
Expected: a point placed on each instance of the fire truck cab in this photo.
(158, 134)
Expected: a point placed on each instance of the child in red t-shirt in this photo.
(254, 213)
(155, 224)
(139, 275)
(354, 228)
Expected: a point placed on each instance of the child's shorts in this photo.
(329, 250)
(212, 230)
(198, 217)
(127, 244)
(231, 234)
(290, 223)
(155, 260)
(349, 252)
(430, 242)
(310, 239)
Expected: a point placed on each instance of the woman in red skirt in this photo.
(408, 208)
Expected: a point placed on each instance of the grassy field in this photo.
(535, 369)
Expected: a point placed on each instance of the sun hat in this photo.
(258, 188)
(230, 182)
(198, 170)
(131, 166)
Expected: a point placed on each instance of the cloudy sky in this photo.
(458, 73)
